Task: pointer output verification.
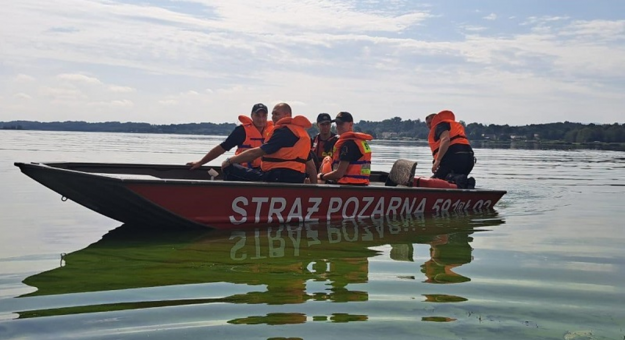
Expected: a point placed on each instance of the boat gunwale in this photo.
(221, 183)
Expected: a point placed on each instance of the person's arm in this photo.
(335, 174)
(442, 149)
(349, 152)
(281, 138)
(311, 170)
(236, 137)
(246, 156)
(212, 154)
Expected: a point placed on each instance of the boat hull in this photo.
(160, 195)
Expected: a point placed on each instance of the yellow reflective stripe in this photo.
(365, 146)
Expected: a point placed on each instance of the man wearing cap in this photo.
(250, 134)
(351, 159)
(452, 152)
(285, 157)
(323, 143)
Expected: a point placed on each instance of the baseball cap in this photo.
(342, 117)
(324, 117)
(259, 107)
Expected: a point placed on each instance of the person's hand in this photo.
(194, 165)
(436, 165)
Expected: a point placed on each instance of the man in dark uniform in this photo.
(452, 152)
(274, 167)
(237, 137)
(323, 143)
(351, 159)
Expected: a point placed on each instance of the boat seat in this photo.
(401, 173)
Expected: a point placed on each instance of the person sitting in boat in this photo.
(351, 159)
(250, 134)
(285, 157)
(452, 152)
(323, 143)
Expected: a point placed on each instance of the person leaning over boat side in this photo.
(285, 157)
(452, 152)
(351, 159)
(250, 134)
(323, 143)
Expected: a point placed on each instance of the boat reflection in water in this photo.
(280, 263)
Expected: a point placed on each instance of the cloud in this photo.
(168, 102)
(540, 20)
(208, 58)
(124, 103)
(62, 94)
(63, 30)
(120, 89)
(323, 16)
(23, 78)
(79, 78)
(246, 27)
(22, 95)
(491, 17)
(472, 28)
(596, 29)
(232, 90)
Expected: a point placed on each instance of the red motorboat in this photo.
(173, 195)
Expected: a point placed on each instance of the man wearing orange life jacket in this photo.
(351, 160)
(251, 133)
(285, 157)
(450, 147)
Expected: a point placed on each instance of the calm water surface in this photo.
(548, 263)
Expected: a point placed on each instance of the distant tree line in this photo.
(396, 128)
(189, 128)
(393, 128)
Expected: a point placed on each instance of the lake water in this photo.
(547, 263)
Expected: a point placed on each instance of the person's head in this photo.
(324, 123)
(259, 115)
(344, 122)
(280, 111)
(428, 120)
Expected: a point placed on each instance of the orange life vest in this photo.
(319, 146)
(253, 138)
(293, 157)
(427, 182)
(456, 134)
(358, 171)
(326, 164)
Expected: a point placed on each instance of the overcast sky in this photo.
(511, 62)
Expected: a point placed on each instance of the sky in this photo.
(501, 62)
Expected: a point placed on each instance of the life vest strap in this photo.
(279, 160)
(357, 176)
(452, 138)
